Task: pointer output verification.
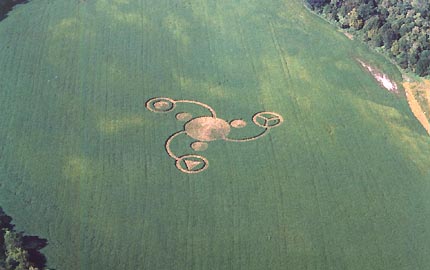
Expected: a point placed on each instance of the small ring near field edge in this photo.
(150, 104)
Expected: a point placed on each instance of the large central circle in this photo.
(207, 129)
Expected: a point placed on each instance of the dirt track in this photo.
(415, 106)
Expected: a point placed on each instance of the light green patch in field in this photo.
(179, 28)
(400, 134)
(188, 85)
(75, 169)
(121, 11)
(115, 125)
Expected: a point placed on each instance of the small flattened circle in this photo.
(207, 129)
(192, 164)
(183, 116)
(238, 123)
(199, 146)
(267, 119)
(160, 104)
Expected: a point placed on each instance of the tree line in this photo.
(400, 28)
(17, 251)
(7, 5)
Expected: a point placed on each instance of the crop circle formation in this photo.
(204, 129)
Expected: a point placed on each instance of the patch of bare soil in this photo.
(348, 35)
(381, 78)
(418, 95)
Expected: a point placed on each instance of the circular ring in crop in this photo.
(267, 119)
(160, 104)
(192, 163)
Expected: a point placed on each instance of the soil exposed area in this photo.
(381, 78)
(418, 95)
(348, 35)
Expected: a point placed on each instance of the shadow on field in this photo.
(16, 242)
(7, 5)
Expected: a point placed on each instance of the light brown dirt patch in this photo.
(381, 78)
(348, 35)
(411, 90)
